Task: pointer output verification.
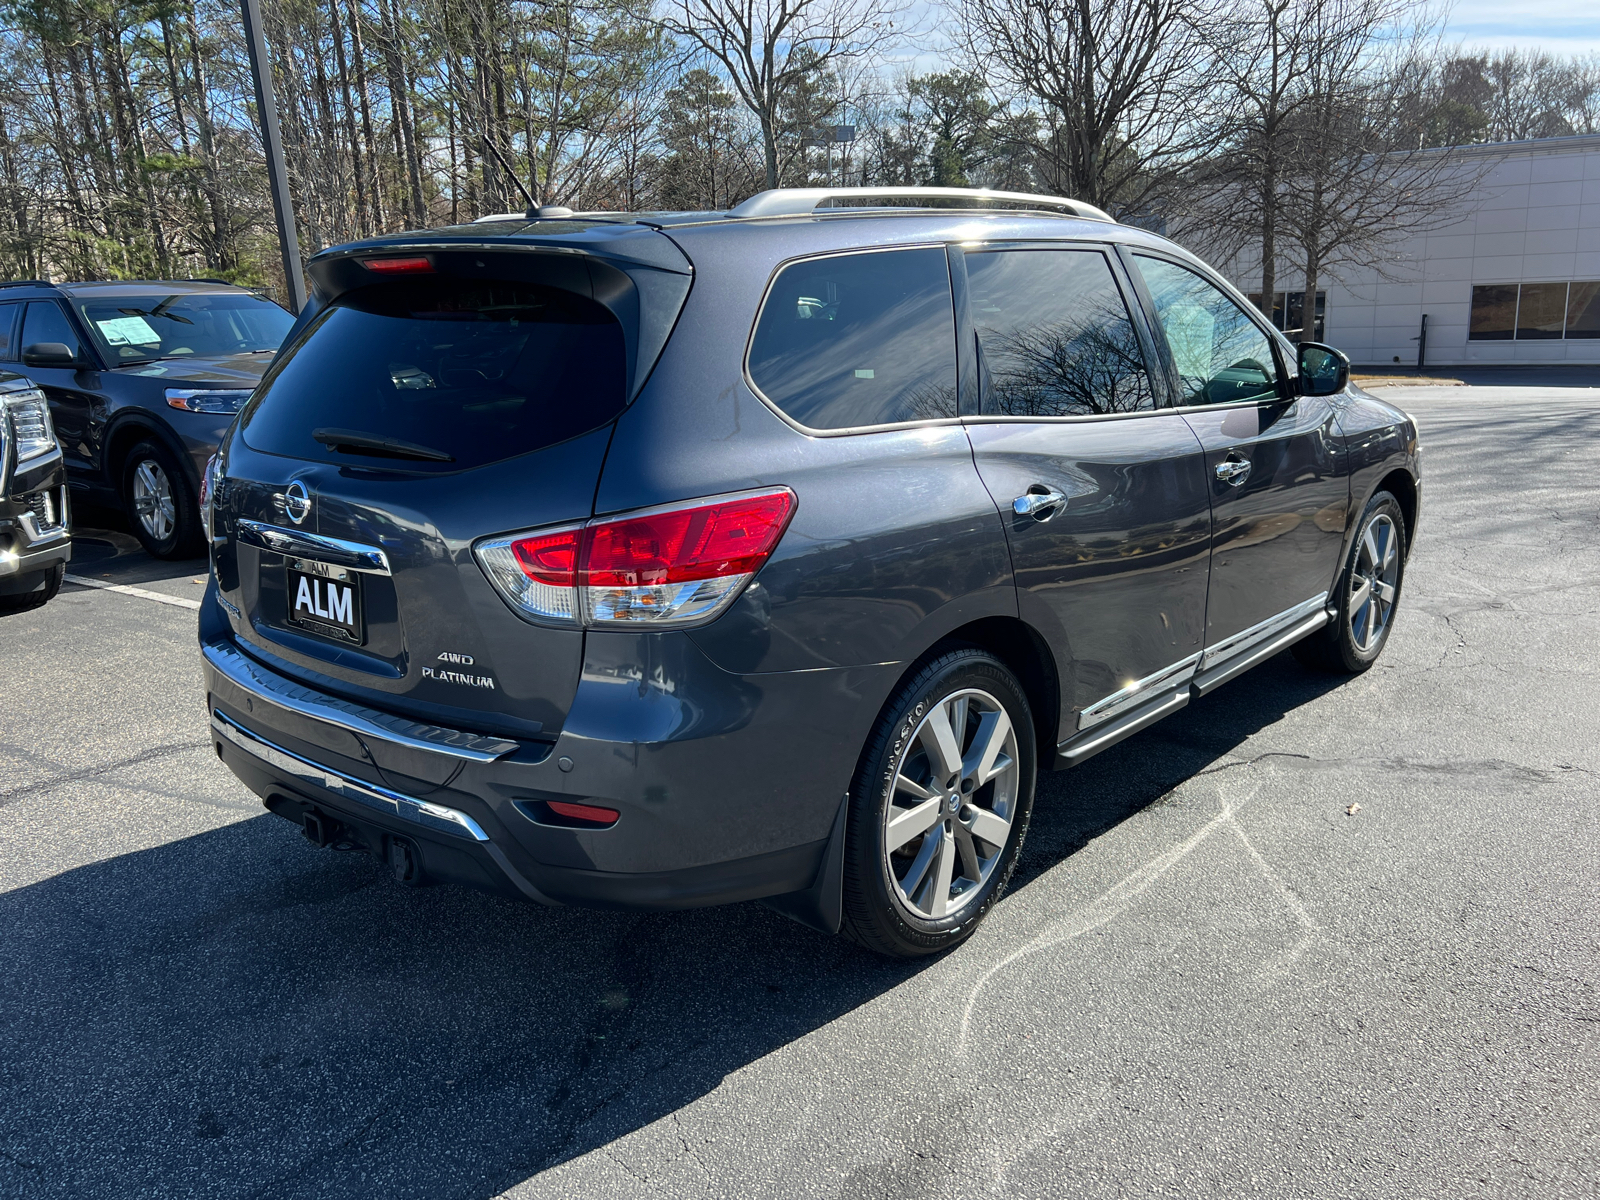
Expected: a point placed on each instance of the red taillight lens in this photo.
(592, 814)
(416, 265)
(667, 569)
(732, 537)
(550, 559)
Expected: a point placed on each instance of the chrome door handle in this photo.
(1233, 470)
(1040, 505)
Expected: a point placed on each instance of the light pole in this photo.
(255, 37)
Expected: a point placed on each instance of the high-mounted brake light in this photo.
(417, 265)
(664, 568)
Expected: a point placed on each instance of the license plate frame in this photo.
(325, 600)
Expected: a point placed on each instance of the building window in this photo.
(1583, 311)
(1293, 303)
(1534, 311)
(1494, 313)
(1542, 311)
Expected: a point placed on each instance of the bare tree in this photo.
(1126, 90)
(771, 48)
(1359, 178)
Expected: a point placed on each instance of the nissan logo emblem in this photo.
(297, 502)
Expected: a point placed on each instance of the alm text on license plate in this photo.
(325, 599)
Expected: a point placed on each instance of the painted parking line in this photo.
(127, 590)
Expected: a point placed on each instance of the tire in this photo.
(1353, 640)
(161, 507)
(19, 602)
(920, 897)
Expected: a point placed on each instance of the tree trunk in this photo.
(1269, 236)
(342, 63)
(1308, 302)
(219, 242)
(359, 50)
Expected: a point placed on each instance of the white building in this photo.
(1515, 280)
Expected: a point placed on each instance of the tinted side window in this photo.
(1222, 356)
(45, 322)
(1055, 335)
(8, 318)
(859, 339)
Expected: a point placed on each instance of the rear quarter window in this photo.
(857, 340)
(478, 370)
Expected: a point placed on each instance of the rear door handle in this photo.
(1233, 470)
(1039, 502)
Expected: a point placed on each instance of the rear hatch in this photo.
(443, 393)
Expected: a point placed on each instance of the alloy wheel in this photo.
(955, 796)
(1374, 582)
(152, 500)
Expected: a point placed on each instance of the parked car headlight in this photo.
(225, 401)
(28, 413)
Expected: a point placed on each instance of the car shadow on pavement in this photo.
(236, 1013)
(104, 548)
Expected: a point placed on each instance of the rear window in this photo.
(470, 371)
(859, 339)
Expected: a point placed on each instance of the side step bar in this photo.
(1091, 741)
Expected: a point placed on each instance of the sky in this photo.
(1559, 26)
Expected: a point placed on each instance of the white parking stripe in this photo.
(126, 590)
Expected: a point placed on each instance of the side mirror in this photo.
(48, 354)
(1323, 370)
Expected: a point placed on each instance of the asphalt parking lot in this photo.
(1211, 978)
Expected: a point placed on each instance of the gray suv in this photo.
(677, 559)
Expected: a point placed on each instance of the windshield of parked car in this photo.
(187, 325)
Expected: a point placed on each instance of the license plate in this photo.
(326, 600)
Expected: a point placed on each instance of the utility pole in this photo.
(255, 38)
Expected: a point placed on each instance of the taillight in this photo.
(665, 568)
(206, 476)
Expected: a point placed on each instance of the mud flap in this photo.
(821, 906)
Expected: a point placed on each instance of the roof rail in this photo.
(26, 283)
(790, 202)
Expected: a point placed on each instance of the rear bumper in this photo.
(728, 787)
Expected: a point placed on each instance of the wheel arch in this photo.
(128, 432)
(1399, 484)
(1025, 652)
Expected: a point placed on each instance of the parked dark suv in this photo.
(142, 377)
(678, 559)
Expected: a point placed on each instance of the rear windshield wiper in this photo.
(352, 441)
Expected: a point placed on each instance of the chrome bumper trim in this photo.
(312, 545)
(369, 795)
(34, 557)
(292, 697)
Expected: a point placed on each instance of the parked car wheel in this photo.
(164, 511)
(940, 807)
(48, 584)
(1368, 593)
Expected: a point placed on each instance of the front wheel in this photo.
(939, 807)
(164, 511)
(1368, 593)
